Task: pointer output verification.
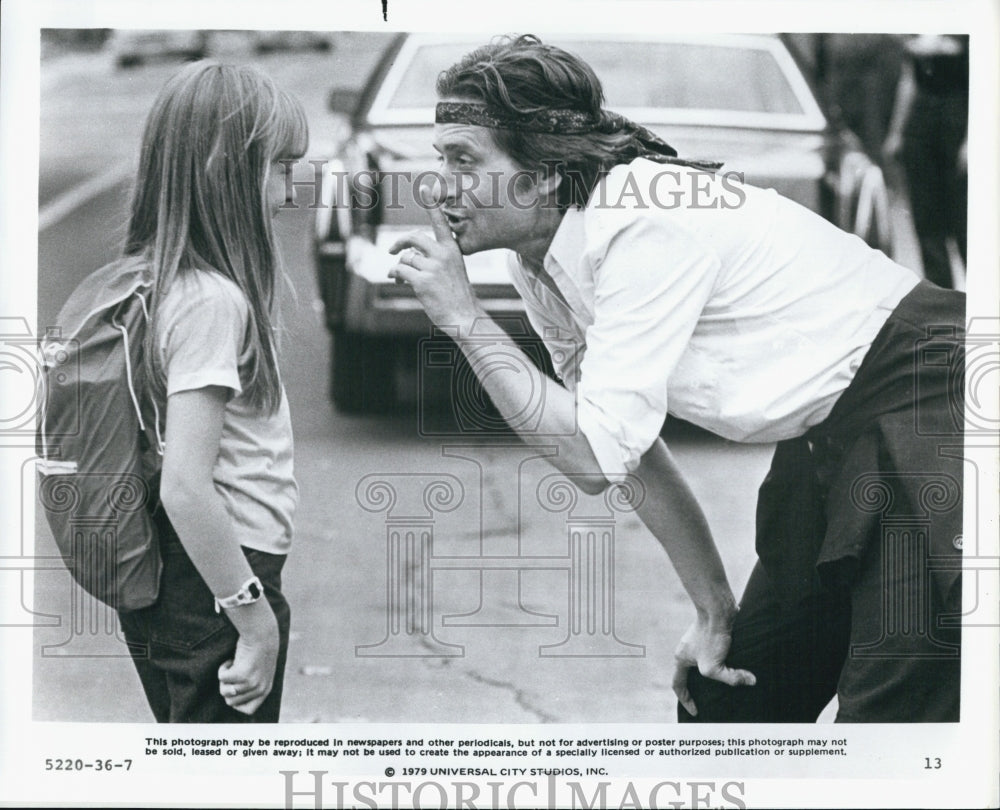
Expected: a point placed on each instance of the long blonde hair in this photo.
(200, 199)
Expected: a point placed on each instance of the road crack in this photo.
(521, 697)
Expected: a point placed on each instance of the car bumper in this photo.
(393, 309)
(373, 304)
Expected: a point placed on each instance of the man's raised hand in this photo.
(434, 267)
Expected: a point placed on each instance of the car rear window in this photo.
(675, 75)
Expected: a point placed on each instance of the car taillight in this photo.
(367, 200)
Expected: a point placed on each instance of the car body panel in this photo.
(415, 67)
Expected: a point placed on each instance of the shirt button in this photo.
(957, 542)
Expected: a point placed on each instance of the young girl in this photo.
(212, 647)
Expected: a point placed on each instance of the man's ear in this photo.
(549, 179)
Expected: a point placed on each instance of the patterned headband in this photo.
(564, 122)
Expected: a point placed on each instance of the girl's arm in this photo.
(187, 491)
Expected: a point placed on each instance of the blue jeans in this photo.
(179, 642)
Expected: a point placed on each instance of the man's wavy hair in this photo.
(521, 75)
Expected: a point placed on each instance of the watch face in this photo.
(254, 590)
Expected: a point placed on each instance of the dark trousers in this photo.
(179, 642)
(938, 189)
(835, 642)
(857, 591)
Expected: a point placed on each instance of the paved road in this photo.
(472, 644)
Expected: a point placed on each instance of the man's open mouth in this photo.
(456, 222)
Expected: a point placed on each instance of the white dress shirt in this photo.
(748, 317)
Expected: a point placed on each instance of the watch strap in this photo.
(249, 592)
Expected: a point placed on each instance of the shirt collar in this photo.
(567, 245)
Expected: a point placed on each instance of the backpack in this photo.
(98, 438)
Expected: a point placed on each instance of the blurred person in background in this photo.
(857, 76)
(927, 135)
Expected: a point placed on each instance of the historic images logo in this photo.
(508, 787)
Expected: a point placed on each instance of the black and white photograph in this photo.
(411, 405)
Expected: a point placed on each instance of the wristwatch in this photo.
(249, 592)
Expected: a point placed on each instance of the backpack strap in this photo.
(49, 350)
(131, 383)
(128, 373)
(152, 399)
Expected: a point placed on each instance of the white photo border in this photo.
(888, 757)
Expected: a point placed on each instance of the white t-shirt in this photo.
(748, 318)
(202, 342)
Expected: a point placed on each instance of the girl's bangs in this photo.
(290, 133)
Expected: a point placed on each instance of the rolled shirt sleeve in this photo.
(753, 317)
(652, 280)
(202, 333)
